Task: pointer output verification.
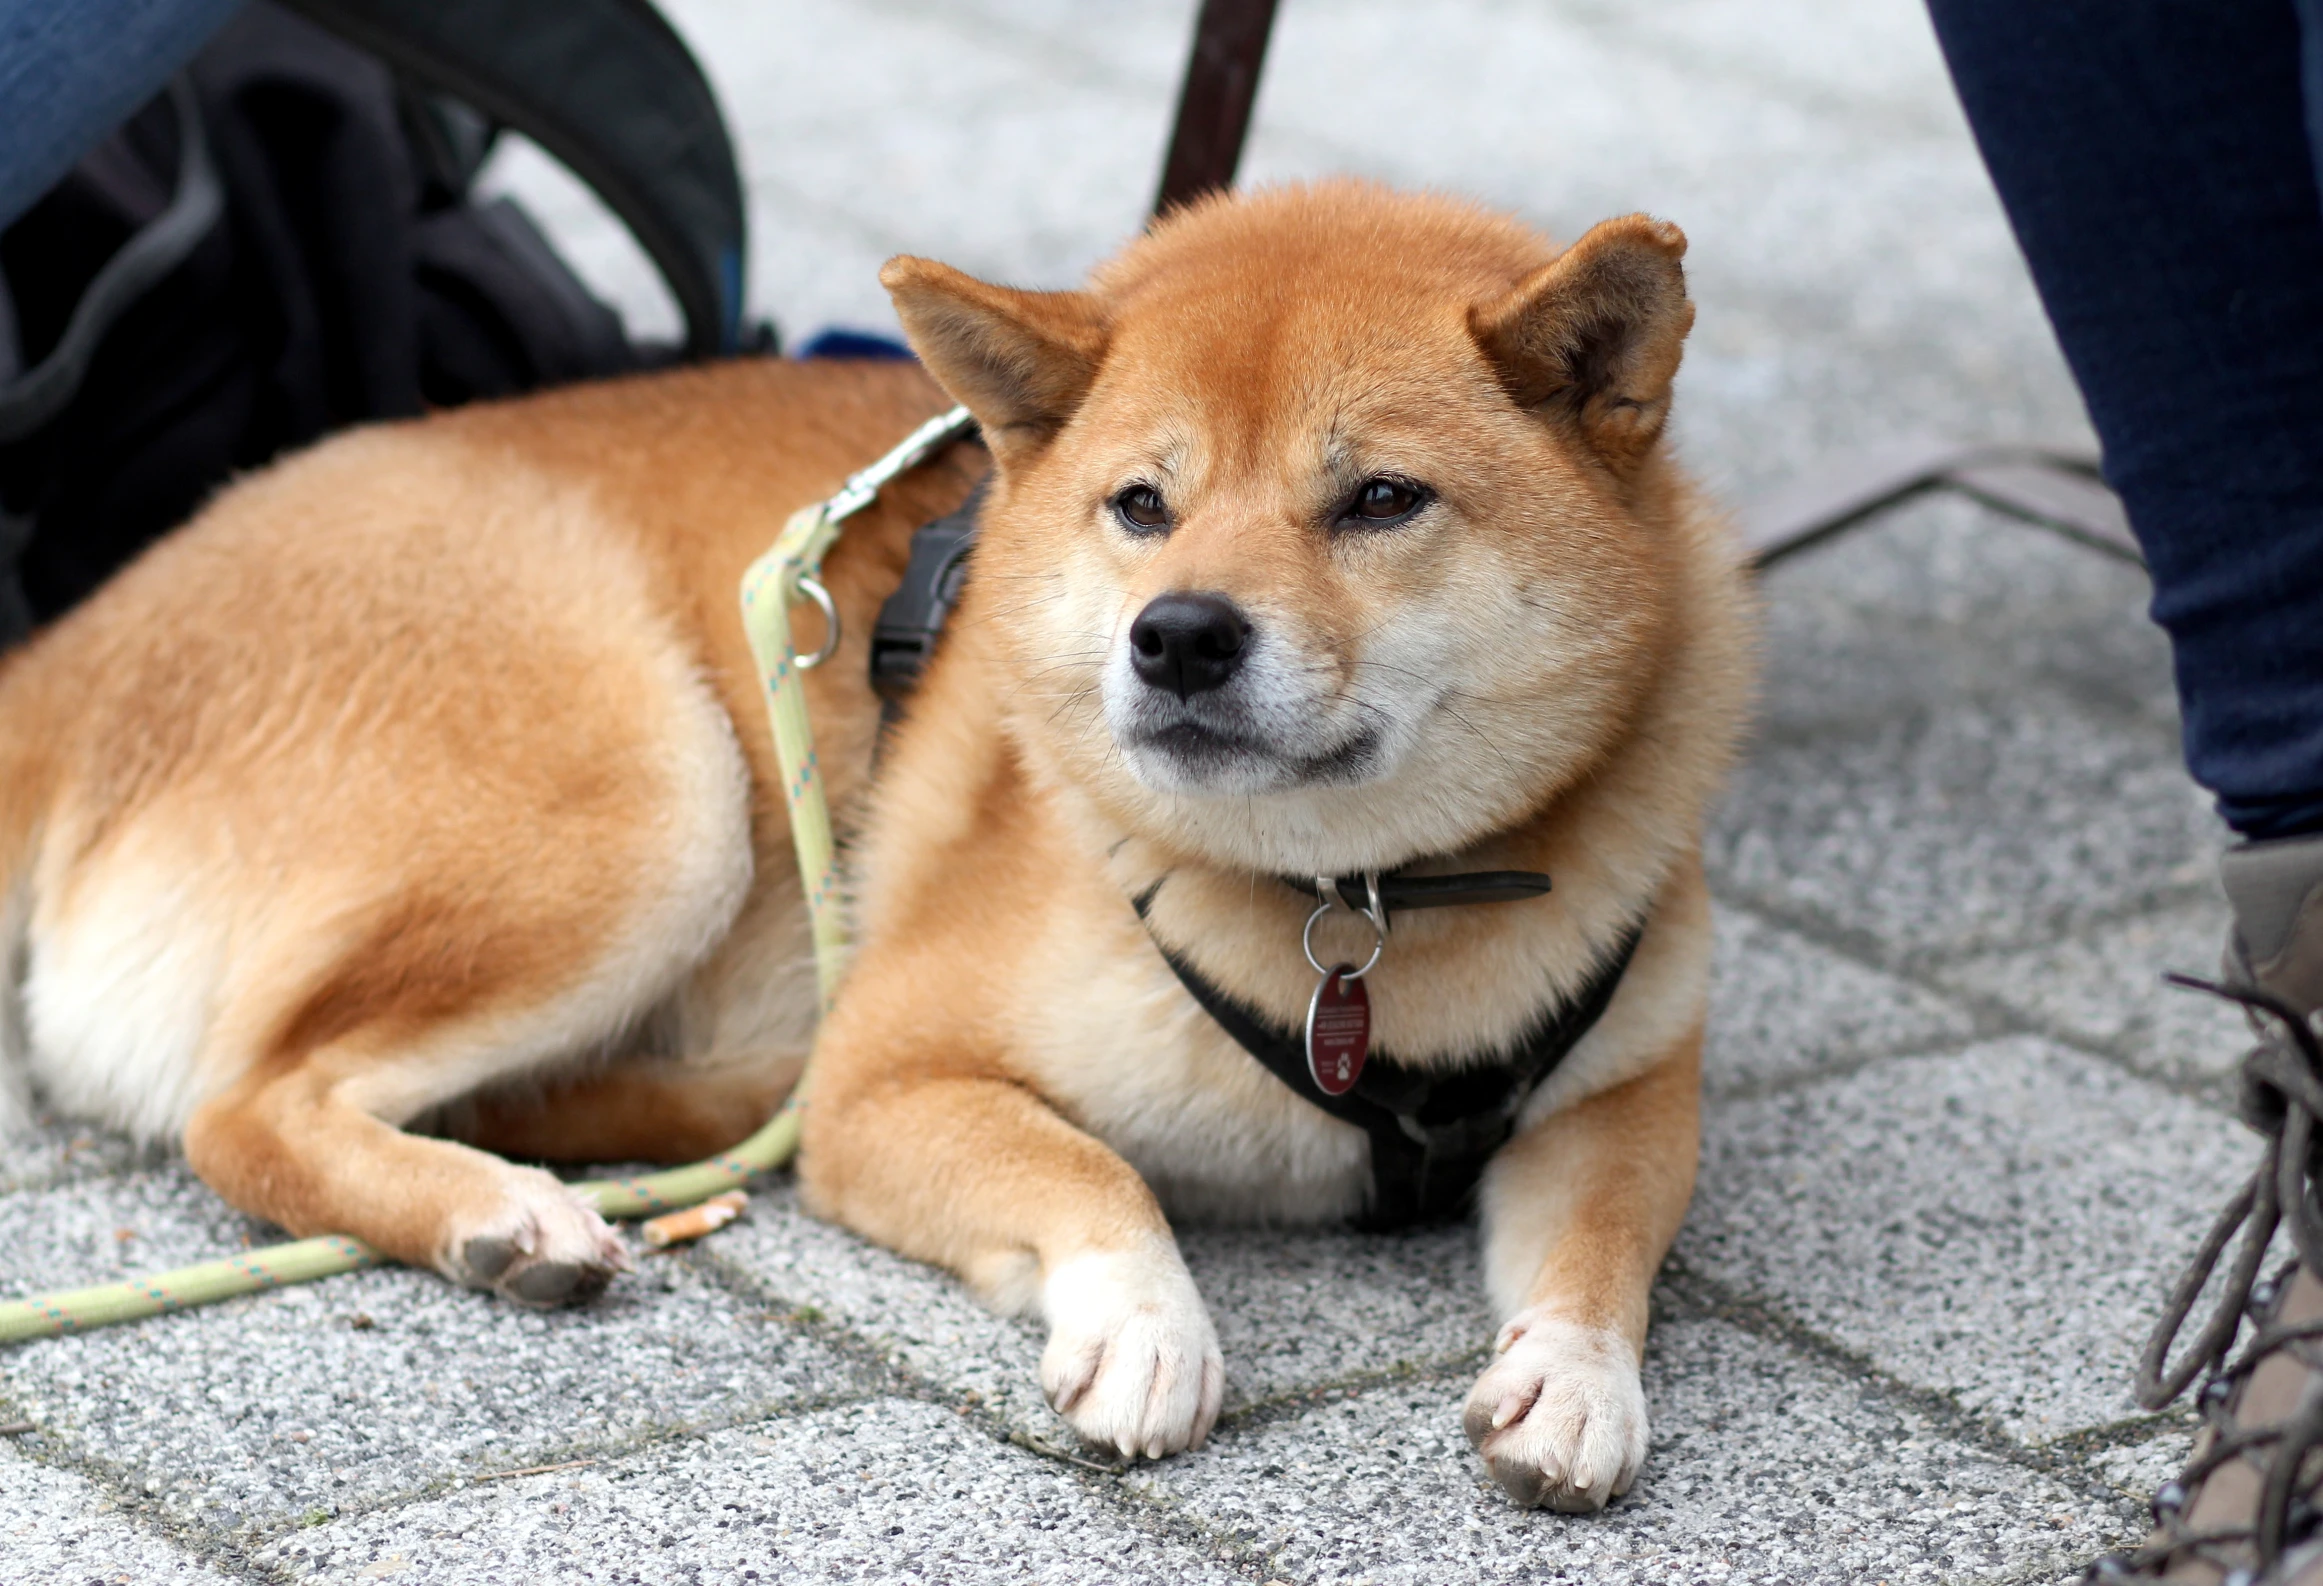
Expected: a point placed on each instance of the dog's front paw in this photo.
(1132, 1361)
(541, 1245)
(1560, 1416)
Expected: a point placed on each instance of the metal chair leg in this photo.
(1214, 104)
(2058, 491)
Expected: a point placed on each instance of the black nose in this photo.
(1188, 643)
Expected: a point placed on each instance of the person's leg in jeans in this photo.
(73, 70)
(2154, 158)
(2162, 163)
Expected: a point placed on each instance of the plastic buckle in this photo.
(912, 619)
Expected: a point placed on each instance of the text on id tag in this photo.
(1338, 1031)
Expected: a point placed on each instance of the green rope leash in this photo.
(778, 580)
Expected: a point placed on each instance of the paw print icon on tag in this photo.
(1338, 1031)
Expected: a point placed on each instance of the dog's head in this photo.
(1325, 531)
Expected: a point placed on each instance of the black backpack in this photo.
(285, 242)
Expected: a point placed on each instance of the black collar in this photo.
(1432, 1130)
(1398, 890)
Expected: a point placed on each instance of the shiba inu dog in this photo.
(1300, 819)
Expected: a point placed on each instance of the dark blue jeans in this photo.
(73, 70)
(2162, 162)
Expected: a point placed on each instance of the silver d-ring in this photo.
(812, 587)
(1307, 940)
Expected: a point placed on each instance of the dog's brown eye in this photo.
(1385, 500)
(1141, 507)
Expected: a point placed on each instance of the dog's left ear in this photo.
(1594, 336)
(1020, 361)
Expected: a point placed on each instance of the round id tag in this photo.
(1338, 1031)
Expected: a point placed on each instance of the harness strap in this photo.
(1432, 1131)
(29, 399)
(610, 89)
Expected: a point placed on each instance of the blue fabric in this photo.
(2311, 76)
(73, 70)
(2162, 163)
(839, 342)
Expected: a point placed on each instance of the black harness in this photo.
(1432, 1130)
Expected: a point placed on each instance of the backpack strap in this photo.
(609, 89)
(30, 399)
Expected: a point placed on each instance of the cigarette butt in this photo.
(675, 1228)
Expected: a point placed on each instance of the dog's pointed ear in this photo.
(1020, 361)
(1594, 336)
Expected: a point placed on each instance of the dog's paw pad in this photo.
(557, 1282)
(487, 1256)
(1132, 1361)
(541, 1246)
(1560, 1416)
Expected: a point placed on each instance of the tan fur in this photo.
(424, 782)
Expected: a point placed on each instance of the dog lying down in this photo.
(413, 809)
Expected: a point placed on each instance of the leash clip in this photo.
(812, 529)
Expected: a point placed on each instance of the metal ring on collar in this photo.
(812, 587)
(1376, 914)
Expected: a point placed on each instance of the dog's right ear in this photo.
(1020, 361)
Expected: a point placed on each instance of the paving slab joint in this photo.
(2218, 1093)
(1159, 1513)
(2126, 1432)
(896, 1379)
(1683, 1291)
(893, 1377)
(1060, 54)
(1820, 1074)
(226, 1555)
(1991, 1019)
(212, 1546)
(1293, 1403)
(1872, 951)
(88, 1160)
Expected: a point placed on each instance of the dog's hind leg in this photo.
(301, 1147)
(537, 937)
(427, 1001)
(712, 1066)
(484, 976)
(639, 1111)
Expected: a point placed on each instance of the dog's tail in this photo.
(28, 753)
(27, 770)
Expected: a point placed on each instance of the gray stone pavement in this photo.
(1956, 1137)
